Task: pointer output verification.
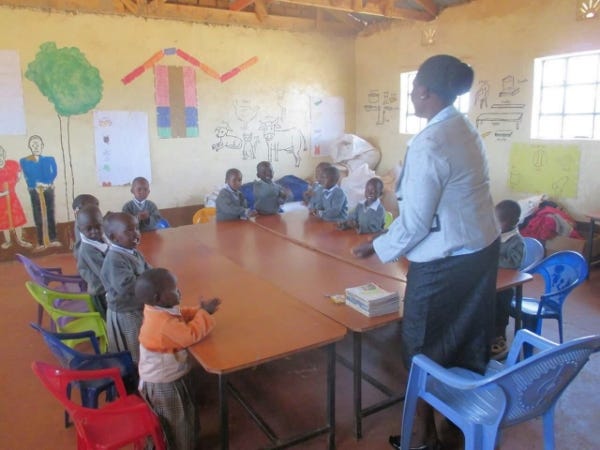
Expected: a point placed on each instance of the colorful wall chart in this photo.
(176, 109)
(175, 91)
(544, 169)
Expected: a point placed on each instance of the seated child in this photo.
(145, 210)
(312, 196)
(79, 202)
(231, 203)
(268, 195)
(333, 206)
(91, 253)
(369, 215)
(164, 368)
(122, 265)
(512, 249)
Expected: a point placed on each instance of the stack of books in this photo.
(372, 300)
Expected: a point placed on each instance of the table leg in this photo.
(590, 244)
(223, 412)
(357, 371)
(518, 306)
(331, 394)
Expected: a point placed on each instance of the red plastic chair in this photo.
(127, 420)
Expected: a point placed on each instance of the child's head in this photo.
(89, 222)
(233, 177)
(83, 200)
(319, 171)
(264, 171)
(508, 213)
(157, 287)
(331, 175)
(122, 229)
(140, 188)
(373, 190)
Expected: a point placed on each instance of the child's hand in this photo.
(342, 225)
(252, 213)
(143, 215)
(313, 212)
(210, 306)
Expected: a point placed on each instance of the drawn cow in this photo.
(290, 140)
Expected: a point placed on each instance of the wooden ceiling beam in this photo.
(260, 9)
(238, 5)
(371, 9)
(160, 9)
(429, 6)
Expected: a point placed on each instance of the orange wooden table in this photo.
(309, 276)
(257, 322)
(300, 227)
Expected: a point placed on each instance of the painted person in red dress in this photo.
(12, 217)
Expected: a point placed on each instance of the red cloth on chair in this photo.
(543, 225)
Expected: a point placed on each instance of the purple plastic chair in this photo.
(53, 278)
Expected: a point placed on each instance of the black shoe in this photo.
(395, 442)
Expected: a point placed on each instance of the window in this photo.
(566, 99)
(409, 123)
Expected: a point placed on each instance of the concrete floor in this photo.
(290, 393)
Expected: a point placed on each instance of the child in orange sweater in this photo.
(164, 367)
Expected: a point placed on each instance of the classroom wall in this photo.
(292, 68)
(499, 39)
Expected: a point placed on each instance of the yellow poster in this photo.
(551, 169)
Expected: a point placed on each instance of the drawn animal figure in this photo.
(225, 138)
(290, 140)
(250, 143)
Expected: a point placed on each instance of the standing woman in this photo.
(447, 230)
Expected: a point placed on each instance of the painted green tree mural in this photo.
(73, 86)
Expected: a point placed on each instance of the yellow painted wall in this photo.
(295, 65)
(498, 38)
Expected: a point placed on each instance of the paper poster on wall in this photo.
(544, 169)
(327, 116)
(122, 147)
(12, 111)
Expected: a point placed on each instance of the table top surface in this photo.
(257, 322)
(301, 272)
(304, 229)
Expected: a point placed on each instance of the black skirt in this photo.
(449, 309)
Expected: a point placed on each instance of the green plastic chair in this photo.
(389, 218)
(69, 321)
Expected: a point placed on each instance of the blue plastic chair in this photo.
(507, 395)
(76, 360)
(163, 223)
(562, 272)
(534, 253)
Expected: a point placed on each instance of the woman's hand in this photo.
(363, 250)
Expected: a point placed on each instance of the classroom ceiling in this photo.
(328, 16)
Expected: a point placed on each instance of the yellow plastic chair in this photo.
(389, 218)
(203, 215)
(84, 318)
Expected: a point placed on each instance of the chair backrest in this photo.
(127, 420)
(389, 218)
(534, 253)
(76, 360)
(163, 223)
(74, 319)
(52, 277)
(533, 385)
(562, 272)
(203, 215)
(58, 379)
